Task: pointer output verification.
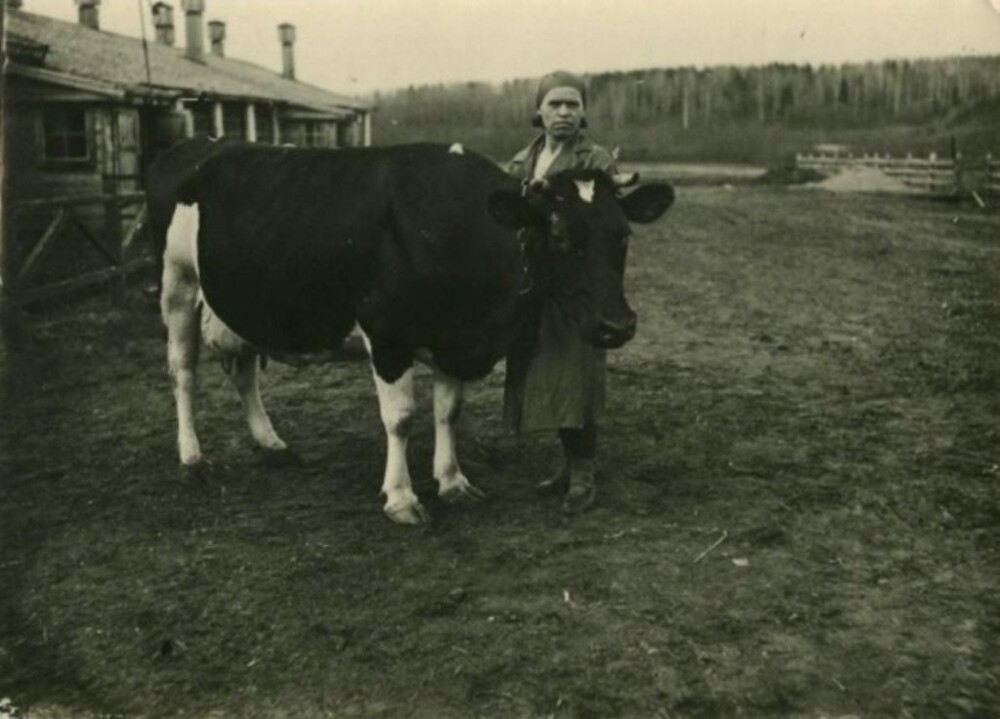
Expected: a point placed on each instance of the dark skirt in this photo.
(561, 384)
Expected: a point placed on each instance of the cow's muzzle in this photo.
(613, 334)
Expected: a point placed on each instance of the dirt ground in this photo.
(799, 507)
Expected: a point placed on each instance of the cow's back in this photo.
(296, 244)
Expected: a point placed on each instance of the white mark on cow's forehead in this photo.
(586, 190)
(457, 149)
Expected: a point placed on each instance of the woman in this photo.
(562, 385)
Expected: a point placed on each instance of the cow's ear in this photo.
(647, 203)
(509, 209)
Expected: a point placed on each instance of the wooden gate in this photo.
(52, 230)
(991, 183)
(112, 249)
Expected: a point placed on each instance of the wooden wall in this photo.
(119, 138)
(29, 177)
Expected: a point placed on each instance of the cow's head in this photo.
(575, 233)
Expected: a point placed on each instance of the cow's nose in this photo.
(611, 334)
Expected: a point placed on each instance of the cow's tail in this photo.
(188, 190)
(194, 183)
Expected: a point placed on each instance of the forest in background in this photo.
(760, 115)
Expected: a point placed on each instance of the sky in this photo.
(360, 46)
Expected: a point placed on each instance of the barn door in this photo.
(123, 175)
(123, 166)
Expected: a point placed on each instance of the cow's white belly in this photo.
(182, 254)
(216, 336)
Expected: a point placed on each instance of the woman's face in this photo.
(561, 112)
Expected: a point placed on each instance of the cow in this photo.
(163, 179)
(434, 253)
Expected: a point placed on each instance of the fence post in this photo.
(113, 233)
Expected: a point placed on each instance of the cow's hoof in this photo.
(280, 458)
(412, 514)
(579, 498)
(463, 492)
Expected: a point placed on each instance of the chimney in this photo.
(163, 21)
(217, 38)
(88, 13)
(286, 33)
(193, 31)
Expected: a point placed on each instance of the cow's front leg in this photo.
(397, 407)
(244, 379)
(452, 484)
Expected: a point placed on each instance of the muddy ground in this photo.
(799, 508)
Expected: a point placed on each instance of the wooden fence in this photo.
(991, 178)
(929, 174)
(112, 247)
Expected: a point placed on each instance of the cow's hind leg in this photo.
(178, 304)
(452, 484)
(244, 378)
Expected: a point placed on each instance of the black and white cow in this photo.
(164, 179)
(434, 253)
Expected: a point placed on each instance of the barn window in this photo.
(64, 128)
(318, 133)
(201, 118)
(265, 124)
(234, 120)
(314, 134)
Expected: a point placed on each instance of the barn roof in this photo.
(101, 60)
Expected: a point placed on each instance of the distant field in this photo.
(768, 145)
(684, 172)
(798, 512)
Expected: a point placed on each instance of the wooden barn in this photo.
(86, 111)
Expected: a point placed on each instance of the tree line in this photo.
(683, 99)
